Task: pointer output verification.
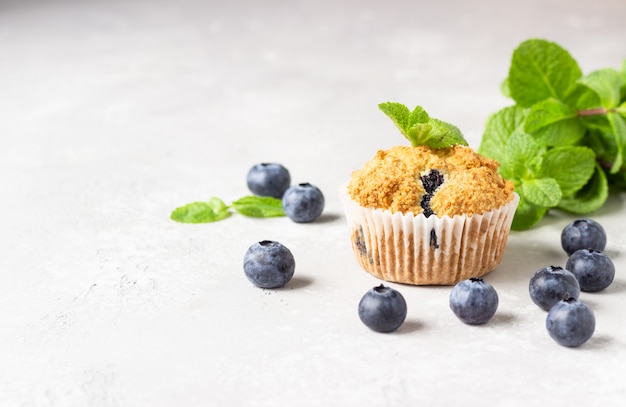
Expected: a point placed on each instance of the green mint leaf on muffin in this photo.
(398, 113)
(436, 134)
(421, 129)
(563, 141)
(259, 206)
(201, 212)
(215, 209)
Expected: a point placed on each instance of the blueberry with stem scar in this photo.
(268, 264)
(583, 234)
(303, 203)
(551, 284)
(593, 269)
(382, 309)
(268, 179)
(474, 301)
(570, 322)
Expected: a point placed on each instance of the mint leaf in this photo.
(201, 212)
(591, 197)
(259, 206)
(436, 134)
(554, 123)
(586, 102)
(421, 129)
(398, 113)
(606, 83)
(527, 215)
(582, 98)
(570, 166)
(542, 191)
(539, 70)
(618, 126)
(523, 155)
(504, 88)
(499, 128)
(621, 109)
(418, 115)
(622, 74)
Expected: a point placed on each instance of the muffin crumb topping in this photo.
(418, 179)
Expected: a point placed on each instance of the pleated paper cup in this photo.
(420, 250)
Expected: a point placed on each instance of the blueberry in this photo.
(268, 264)
(303, 203)
(268, 179)
(551, 284)
(382, 309)
(583, 234)
(474, 301)
(570, 322)
(430, 181)
(593, 269)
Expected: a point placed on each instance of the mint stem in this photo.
(593, 112)
(607, 165)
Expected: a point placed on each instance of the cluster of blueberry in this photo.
(302, 203)
(570, 322)
(269, 264)
(473, 301)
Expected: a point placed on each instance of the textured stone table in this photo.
(113, 113)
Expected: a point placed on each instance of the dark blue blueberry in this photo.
(474, 301)
(268, 179)
(593, 269)
(570, 322)
(425, 204)
(433, 239)
(583, 234)
(268, 264)
(382, 309)
(551, 284)
(303, 203)
(359, 242)
(430, 182)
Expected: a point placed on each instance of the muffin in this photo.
(435, 212)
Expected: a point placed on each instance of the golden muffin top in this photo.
(447, 181)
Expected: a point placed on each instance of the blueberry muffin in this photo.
(435, 212)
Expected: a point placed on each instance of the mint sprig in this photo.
(421, 129)
(259, 206)
(215, 209)
(201, 212)
(563, 142)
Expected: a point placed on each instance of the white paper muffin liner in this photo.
(421, 250)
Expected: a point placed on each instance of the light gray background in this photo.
(113, 113)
